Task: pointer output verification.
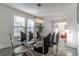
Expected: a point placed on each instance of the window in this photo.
(19, 24)
(30, 26)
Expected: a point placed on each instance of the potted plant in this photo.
(40, 28)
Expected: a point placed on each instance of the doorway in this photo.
(61, 27)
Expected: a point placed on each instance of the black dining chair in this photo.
(30, 35)
(38, 35)
(57, 41)
(52, 39)
(23, 36)
(45, 47)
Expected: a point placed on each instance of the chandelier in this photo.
(38, 20)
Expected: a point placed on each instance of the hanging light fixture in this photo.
(38, 20)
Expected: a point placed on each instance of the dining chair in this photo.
(30, 35)
(23, 36)
(52, 39)
(45, 48)
(18, 50)
(38, 35)
(56, 42)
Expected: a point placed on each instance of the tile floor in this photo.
(63, 51)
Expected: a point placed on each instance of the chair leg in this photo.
(13, 53)
(56, 50)
(24, 54)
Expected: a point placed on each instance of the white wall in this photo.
(6, 24)
(78, 38)
(72, 26)
(78, 31)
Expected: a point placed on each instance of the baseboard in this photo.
(72, 46)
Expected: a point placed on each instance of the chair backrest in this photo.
(30, 35)
(38, 35)
(47, 43)
(23, 36)
(57, 38)
(53, 38)
(11, 38)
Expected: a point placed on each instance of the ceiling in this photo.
(47, 10)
